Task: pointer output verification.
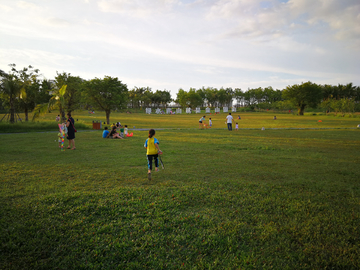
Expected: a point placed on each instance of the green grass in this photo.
(247, 199)
(84, 121)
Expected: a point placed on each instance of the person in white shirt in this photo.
(229, 120)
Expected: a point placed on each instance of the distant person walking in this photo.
(229, 120)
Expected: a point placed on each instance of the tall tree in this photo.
(211, 95)
(72, 96)
(239, 95)
(106, 94)
(56, 102)
(165, 97)
(10, 88)
(181, 98)
(193, 98)
(304, 95)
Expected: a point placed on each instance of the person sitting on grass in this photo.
(113, 134)
(126, 130)
(122, 131)
(105, 132)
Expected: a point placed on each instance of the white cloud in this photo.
(182, 43)
(5, 8)
(26, 5)
(136, 8)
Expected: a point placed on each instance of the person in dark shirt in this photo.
(70, 124)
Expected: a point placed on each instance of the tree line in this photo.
(26, 91)
(337, 98)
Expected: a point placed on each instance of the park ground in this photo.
(287, 197)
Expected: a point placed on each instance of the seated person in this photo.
(105, 132)
(113, 134)
(122, 131)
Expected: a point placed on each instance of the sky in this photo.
(173, 44)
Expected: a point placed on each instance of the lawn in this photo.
(247, 199)
(248, 120)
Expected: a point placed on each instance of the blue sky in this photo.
(172, 44)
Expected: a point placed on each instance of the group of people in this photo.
(70, 127)
(229, 122)
(117, 131)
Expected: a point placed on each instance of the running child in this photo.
(152, 151)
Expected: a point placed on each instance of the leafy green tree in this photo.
(193, 98)
(211, 95)
(238, 95)
(181, 98)
(10, 88)
(57, 101)
(72, 96)
(225, 96)
(32, 90)
(304, 95)
(28, 98)
(202, 93)
(343, 105)
(156, 98)
(106, 94)
(146, 97)
(250, 98)
(189, 99)
(282, 105)
(26, 95)
(164, 97)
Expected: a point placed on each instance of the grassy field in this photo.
(247, 199)
(185, 121)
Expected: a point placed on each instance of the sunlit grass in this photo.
(250, 199)
(191, 121)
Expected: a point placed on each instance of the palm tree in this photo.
(11, 88)
(57, 101)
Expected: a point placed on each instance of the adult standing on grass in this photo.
(201, 121)
(70, 124)
(229, 120)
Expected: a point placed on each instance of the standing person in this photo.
(229, 120)
(201, 120)
(152, 151)
(210, 122)
(71, 131)
(236, 126)
(57, 118)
